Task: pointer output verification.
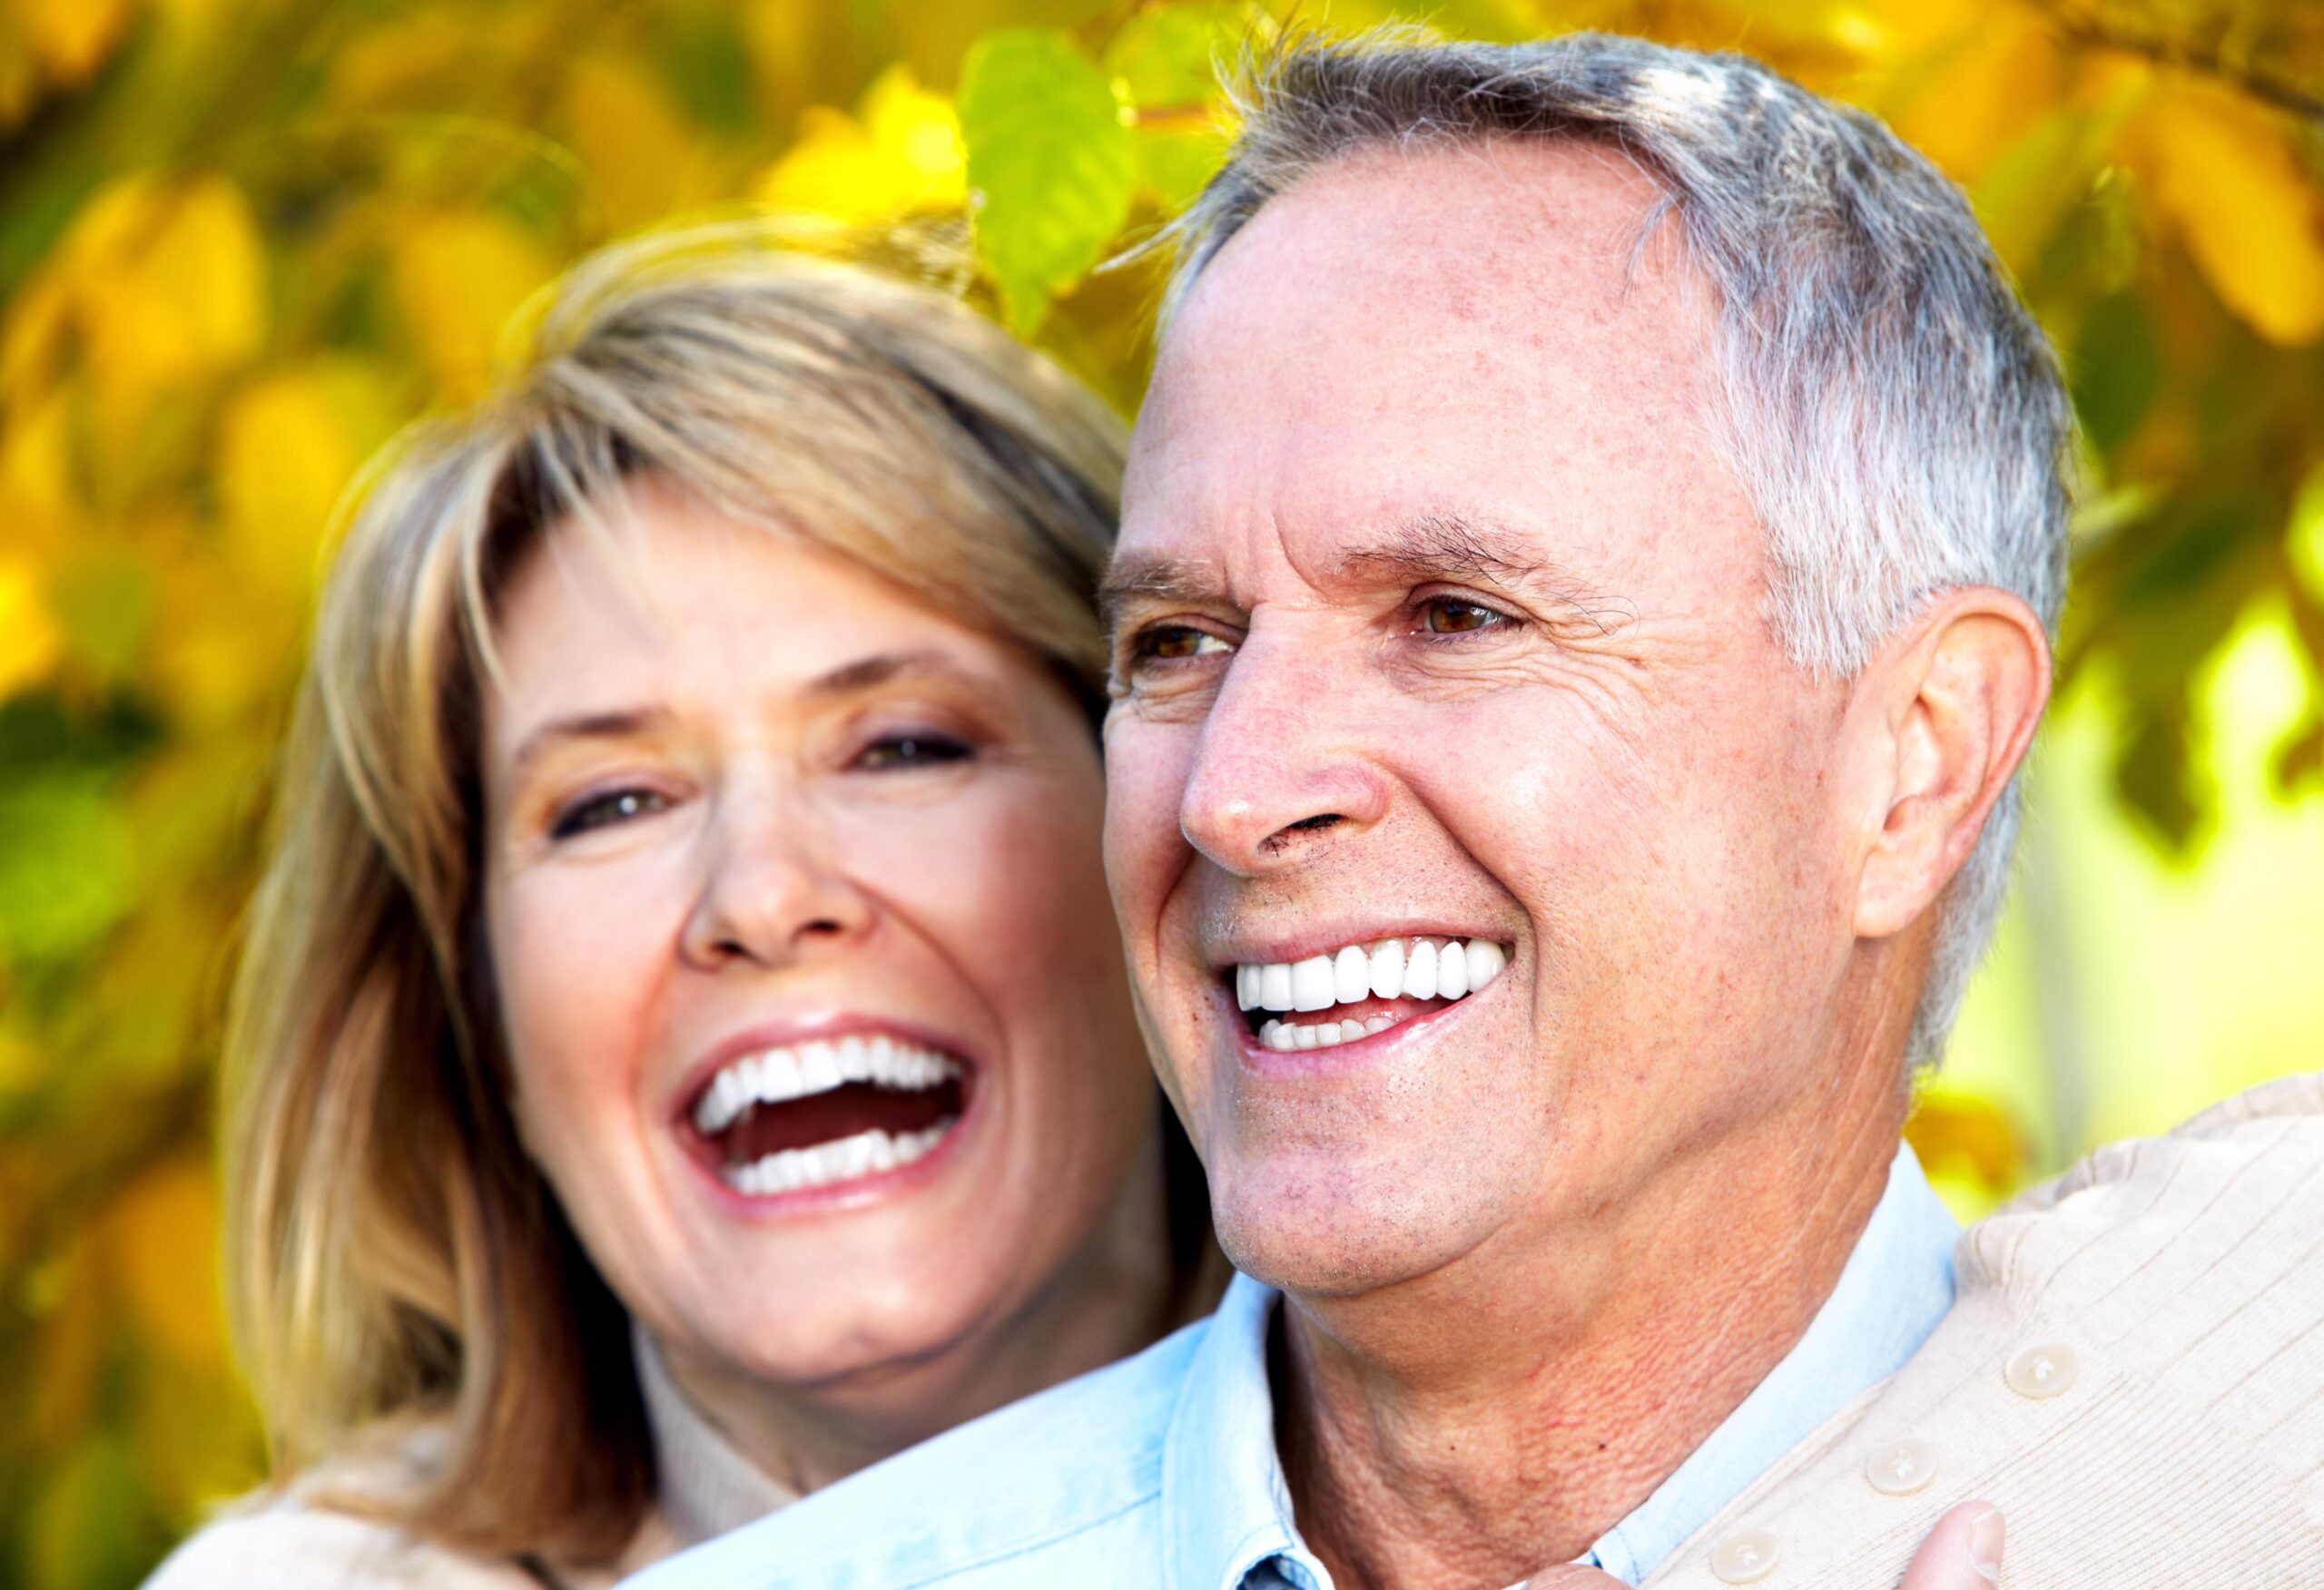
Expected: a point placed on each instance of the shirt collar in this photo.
(1226, 1509)
(704, 1486)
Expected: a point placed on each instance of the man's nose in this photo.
(770, 890)
(1279, 772)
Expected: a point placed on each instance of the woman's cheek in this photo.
(577, 960)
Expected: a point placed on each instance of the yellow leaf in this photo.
(1973, 95)
(37, 490)
(168, 284)
(161, 1243)
(2225, 172)
(287, 447)
(901, 153)
(30, 638)
(71, 37)
(459, 275)
(1969, 1138)
(631, 138)
(37, 323)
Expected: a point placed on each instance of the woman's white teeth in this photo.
(1426, 968)
(798, 1071)
(843, 1159)
(1390, 969)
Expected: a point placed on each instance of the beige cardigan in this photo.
(277, 1541)
(2133, 1373)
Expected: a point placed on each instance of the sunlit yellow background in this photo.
(241, 242)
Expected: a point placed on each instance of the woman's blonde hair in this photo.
(393, 1256)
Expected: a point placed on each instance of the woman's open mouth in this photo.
(799, 1117)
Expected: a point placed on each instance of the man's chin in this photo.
(1323, 1238)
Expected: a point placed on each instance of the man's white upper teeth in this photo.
(1425, 968)
(798, 1071)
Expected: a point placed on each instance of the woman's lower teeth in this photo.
(825, 1164)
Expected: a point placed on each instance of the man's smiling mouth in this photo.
(801, 1116)
(1359, 990)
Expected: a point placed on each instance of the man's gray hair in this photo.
(1895, 414)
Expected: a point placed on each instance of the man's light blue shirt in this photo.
(1161, 1471)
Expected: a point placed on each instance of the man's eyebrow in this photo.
(1456, 546)
(1148, 578)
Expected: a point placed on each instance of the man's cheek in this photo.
(1145, 774)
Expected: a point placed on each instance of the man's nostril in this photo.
(1323, 822)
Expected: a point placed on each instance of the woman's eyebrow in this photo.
(613, 724)
(870, 672)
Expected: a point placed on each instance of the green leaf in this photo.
(107, 600)
(2117, 369)
(91, 1522)
(1166, 61)
(704, 60)
(65, 872)
(1052, 165)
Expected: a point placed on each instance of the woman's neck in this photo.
(1119, 1293)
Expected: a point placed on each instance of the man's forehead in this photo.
(1472, 255)
(1464, 335)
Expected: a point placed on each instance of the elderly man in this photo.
(1583, 600)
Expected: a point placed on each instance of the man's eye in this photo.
(895, 751)
(1448, 615)
(597, 811)
(1171, 641)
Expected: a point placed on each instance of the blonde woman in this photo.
(683, 1053)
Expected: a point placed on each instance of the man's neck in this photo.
(1473, 1426)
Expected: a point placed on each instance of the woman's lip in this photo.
(775, 1035)
(841, 1196)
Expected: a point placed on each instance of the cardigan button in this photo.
(2043, 1369)
(1747, 1558)
(1900, 1468)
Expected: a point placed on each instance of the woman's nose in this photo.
(770, 891)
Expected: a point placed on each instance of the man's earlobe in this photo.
(1962, 688)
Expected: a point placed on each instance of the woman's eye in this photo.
(895, 751)
(597, 811)
(1448, 615)
(1172, 642)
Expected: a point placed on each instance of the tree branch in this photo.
(2080, 25)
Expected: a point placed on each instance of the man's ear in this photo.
(1958, 694)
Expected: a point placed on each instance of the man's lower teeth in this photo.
(843, 1159)
(1320, 1035)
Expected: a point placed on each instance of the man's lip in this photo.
(1255, 1053)
(776, 1035)
(1310, 943)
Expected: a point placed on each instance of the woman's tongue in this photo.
(842, 1111)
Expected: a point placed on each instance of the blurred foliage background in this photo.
(241, 240)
